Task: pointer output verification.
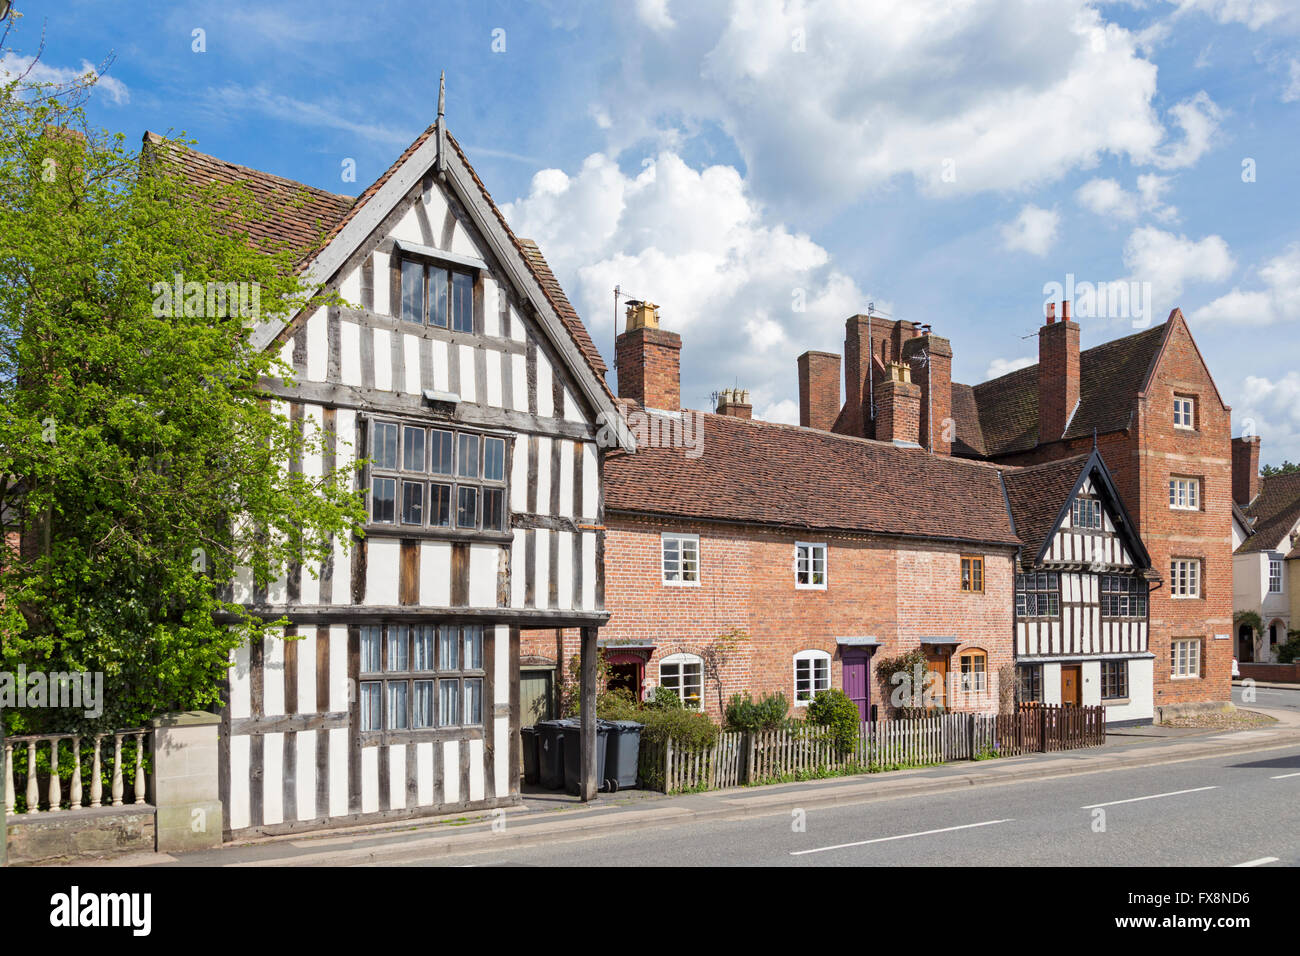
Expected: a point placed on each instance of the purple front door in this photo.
(857, 667)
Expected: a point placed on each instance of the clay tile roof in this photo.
(1037, 495)
(1110, 376)
(296, 215)
(308, 219)
(970, 434)
(1274, 512)
(761, 473)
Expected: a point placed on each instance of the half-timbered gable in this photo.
(461, 379)
(1082, 589)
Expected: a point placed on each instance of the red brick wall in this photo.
(934, 376)
(649, 368)
(1204, 453)
(1058, 377)
(1282, 673)
(1245, 469)
(875, 588)
(898, 411)
(819, 389)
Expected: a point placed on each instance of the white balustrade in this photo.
(76, 798)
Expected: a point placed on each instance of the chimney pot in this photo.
(1065, 310)
(1051, 313)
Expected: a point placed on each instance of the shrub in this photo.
(664, 698)
(767, 713)
(618, 704)
(833, 709)
(685, 728)
(1290, 651)
(906, 699)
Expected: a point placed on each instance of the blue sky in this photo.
(764, 169)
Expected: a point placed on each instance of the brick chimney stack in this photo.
(1058, 373)
(930, 358)
(898, 405)
(649, 360)
(1245, 469)
(735, 402)
(819, 389)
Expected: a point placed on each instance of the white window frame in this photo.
(814, 657)
(1093, 508)
(1185, 412)
(1275, 562)
(664, 570)
(1184, 494)
(1184, 578)
(1188, 665)
(805, 563)
(682, 660)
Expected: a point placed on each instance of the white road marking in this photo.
(901, 836)
(1260, 862)
(1154, 796)
(1284, 776)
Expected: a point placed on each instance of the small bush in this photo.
(664, 698)
(1290, 651)
(767, 713)
(833, 709)
(685, 728)
(619, 704)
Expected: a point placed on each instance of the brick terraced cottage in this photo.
(465, 377)
(1266, 562)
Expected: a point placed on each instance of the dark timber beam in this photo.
(588, 784)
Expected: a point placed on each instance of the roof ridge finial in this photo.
(442, 122)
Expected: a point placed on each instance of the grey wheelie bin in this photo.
(529, 736)
(573, 753)
(622, 753)
(550, 754)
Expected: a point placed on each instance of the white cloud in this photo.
(1000, 366)
(1032, 231)
(1198, 118)
(1292, 92)
(1170, 262)
(829, 100)
(234, 98)
(13, 66)
(745, 292)
(1270, 408)
(654, 14)
(785, 411)
(1107, 198)
(1254, 14)
(1277, 301)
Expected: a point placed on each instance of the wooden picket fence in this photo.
(738, 757)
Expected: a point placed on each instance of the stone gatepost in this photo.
(185, 781)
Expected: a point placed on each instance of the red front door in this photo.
(857, 683)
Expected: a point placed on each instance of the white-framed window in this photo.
(1185, 577)
(1274, 574)
(812, 673)
(683, 674)
(1184, 411)
(1185, 657)
(810, 565)
(974, 672)
(681, 559)
(1086, 513)
(1185, 494)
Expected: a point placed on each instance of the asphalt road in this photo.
(1281, 698)
(1221, 811)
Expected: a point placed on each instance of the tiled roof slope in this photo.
(308, 219)
(1274, 511)
(970, 434)
(1037, 495)
(762, 473)
(1110, 376)
(297, 215)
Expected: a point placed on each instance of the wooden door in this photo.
(535, 699)
(857, 685)
(1072, 684)
(938, 661)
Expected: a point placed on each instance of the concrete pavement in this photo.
(616, 816)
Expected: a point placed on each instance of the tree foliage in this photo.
(139, 455)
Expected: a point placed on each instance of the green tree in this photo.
(139, 455)
(1286, 468)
